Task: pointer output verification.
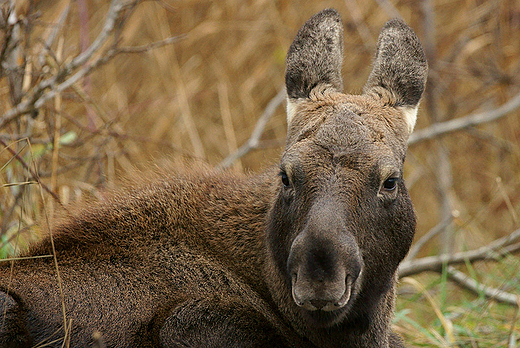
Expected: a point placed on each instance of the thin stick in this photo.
(58, 276)
(227, 121)
(472, 285)
(507, 200)
(23, 183)
(25, 258)
(497, 248)
(52, 35)
(37, 97)
(31, 171)
(512, 338)
(254, 140)
(151, 46)
(443, 128)
(57, 125)
(442, 170)
(428, 236)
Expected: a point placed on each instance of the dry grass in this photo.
(199, 99)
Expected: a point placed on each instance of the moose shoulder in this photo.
(303, 255)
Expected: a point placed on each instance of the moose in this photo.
(304, 254)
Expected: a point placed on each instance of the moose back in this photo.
(302, 255)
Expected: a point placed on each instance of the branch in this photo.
(417, 246)
(390, 9)
(253, 141)
(38, 96)
(53, 34)
(34, 175)
(360, 24)
(497, 248)
(451, 126)
(111, 53)
(472, 285)
(151, 46)
(116, 8)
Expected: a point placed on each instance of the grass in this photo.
(432, 312)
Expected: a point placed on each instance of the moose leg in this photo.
(205, 323)
(13, 333)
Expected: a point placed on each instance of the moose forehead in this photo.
(355, 131)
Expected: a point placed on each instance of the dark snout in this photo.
(324, 263)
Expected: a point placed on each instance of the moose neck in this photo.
(236, 226)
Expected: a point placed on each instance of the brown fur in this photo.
(212, 259)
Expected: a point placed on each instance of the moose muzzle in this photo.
(324, 262)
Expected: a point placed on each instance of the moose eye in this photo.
(285, 179)
(390, 184)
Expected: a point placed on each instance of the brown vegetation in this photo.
(198, 99)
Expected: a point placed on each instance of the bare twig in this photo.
(151, 46)
(428, 236)
(26, 258)
(13, 56)
(390, 9)
(360, 24)
(227, 121)
(497, 248)
(116, 9)
(254, 140)
(472, 285)
(34, 175)
(38, 96)
(56, 266)
(443, 128)
(442, 169)
(512, 337)
(53, 34)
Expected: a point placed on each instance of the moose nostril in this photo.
(319, 304)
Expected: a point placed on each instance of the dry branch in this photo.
(253, 141)
(417, 246)
(460, 123)
(389, 9)
(34, 174)
(472, 285)
(497, 248)
(48, 88)
(53, 34)
(151, 46)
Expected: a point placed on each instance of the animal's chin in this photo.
(324, 319)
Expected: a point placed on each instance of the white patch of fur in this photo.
(410, 116)
(291, 109)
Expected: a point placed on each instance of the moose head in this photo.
(342, 219)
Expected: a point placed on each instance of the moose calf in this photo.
(303, 255)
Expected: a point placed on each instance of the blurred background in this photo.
(191, 79)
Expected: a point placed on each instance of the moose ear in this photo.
(400, 67)
(314, 58)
